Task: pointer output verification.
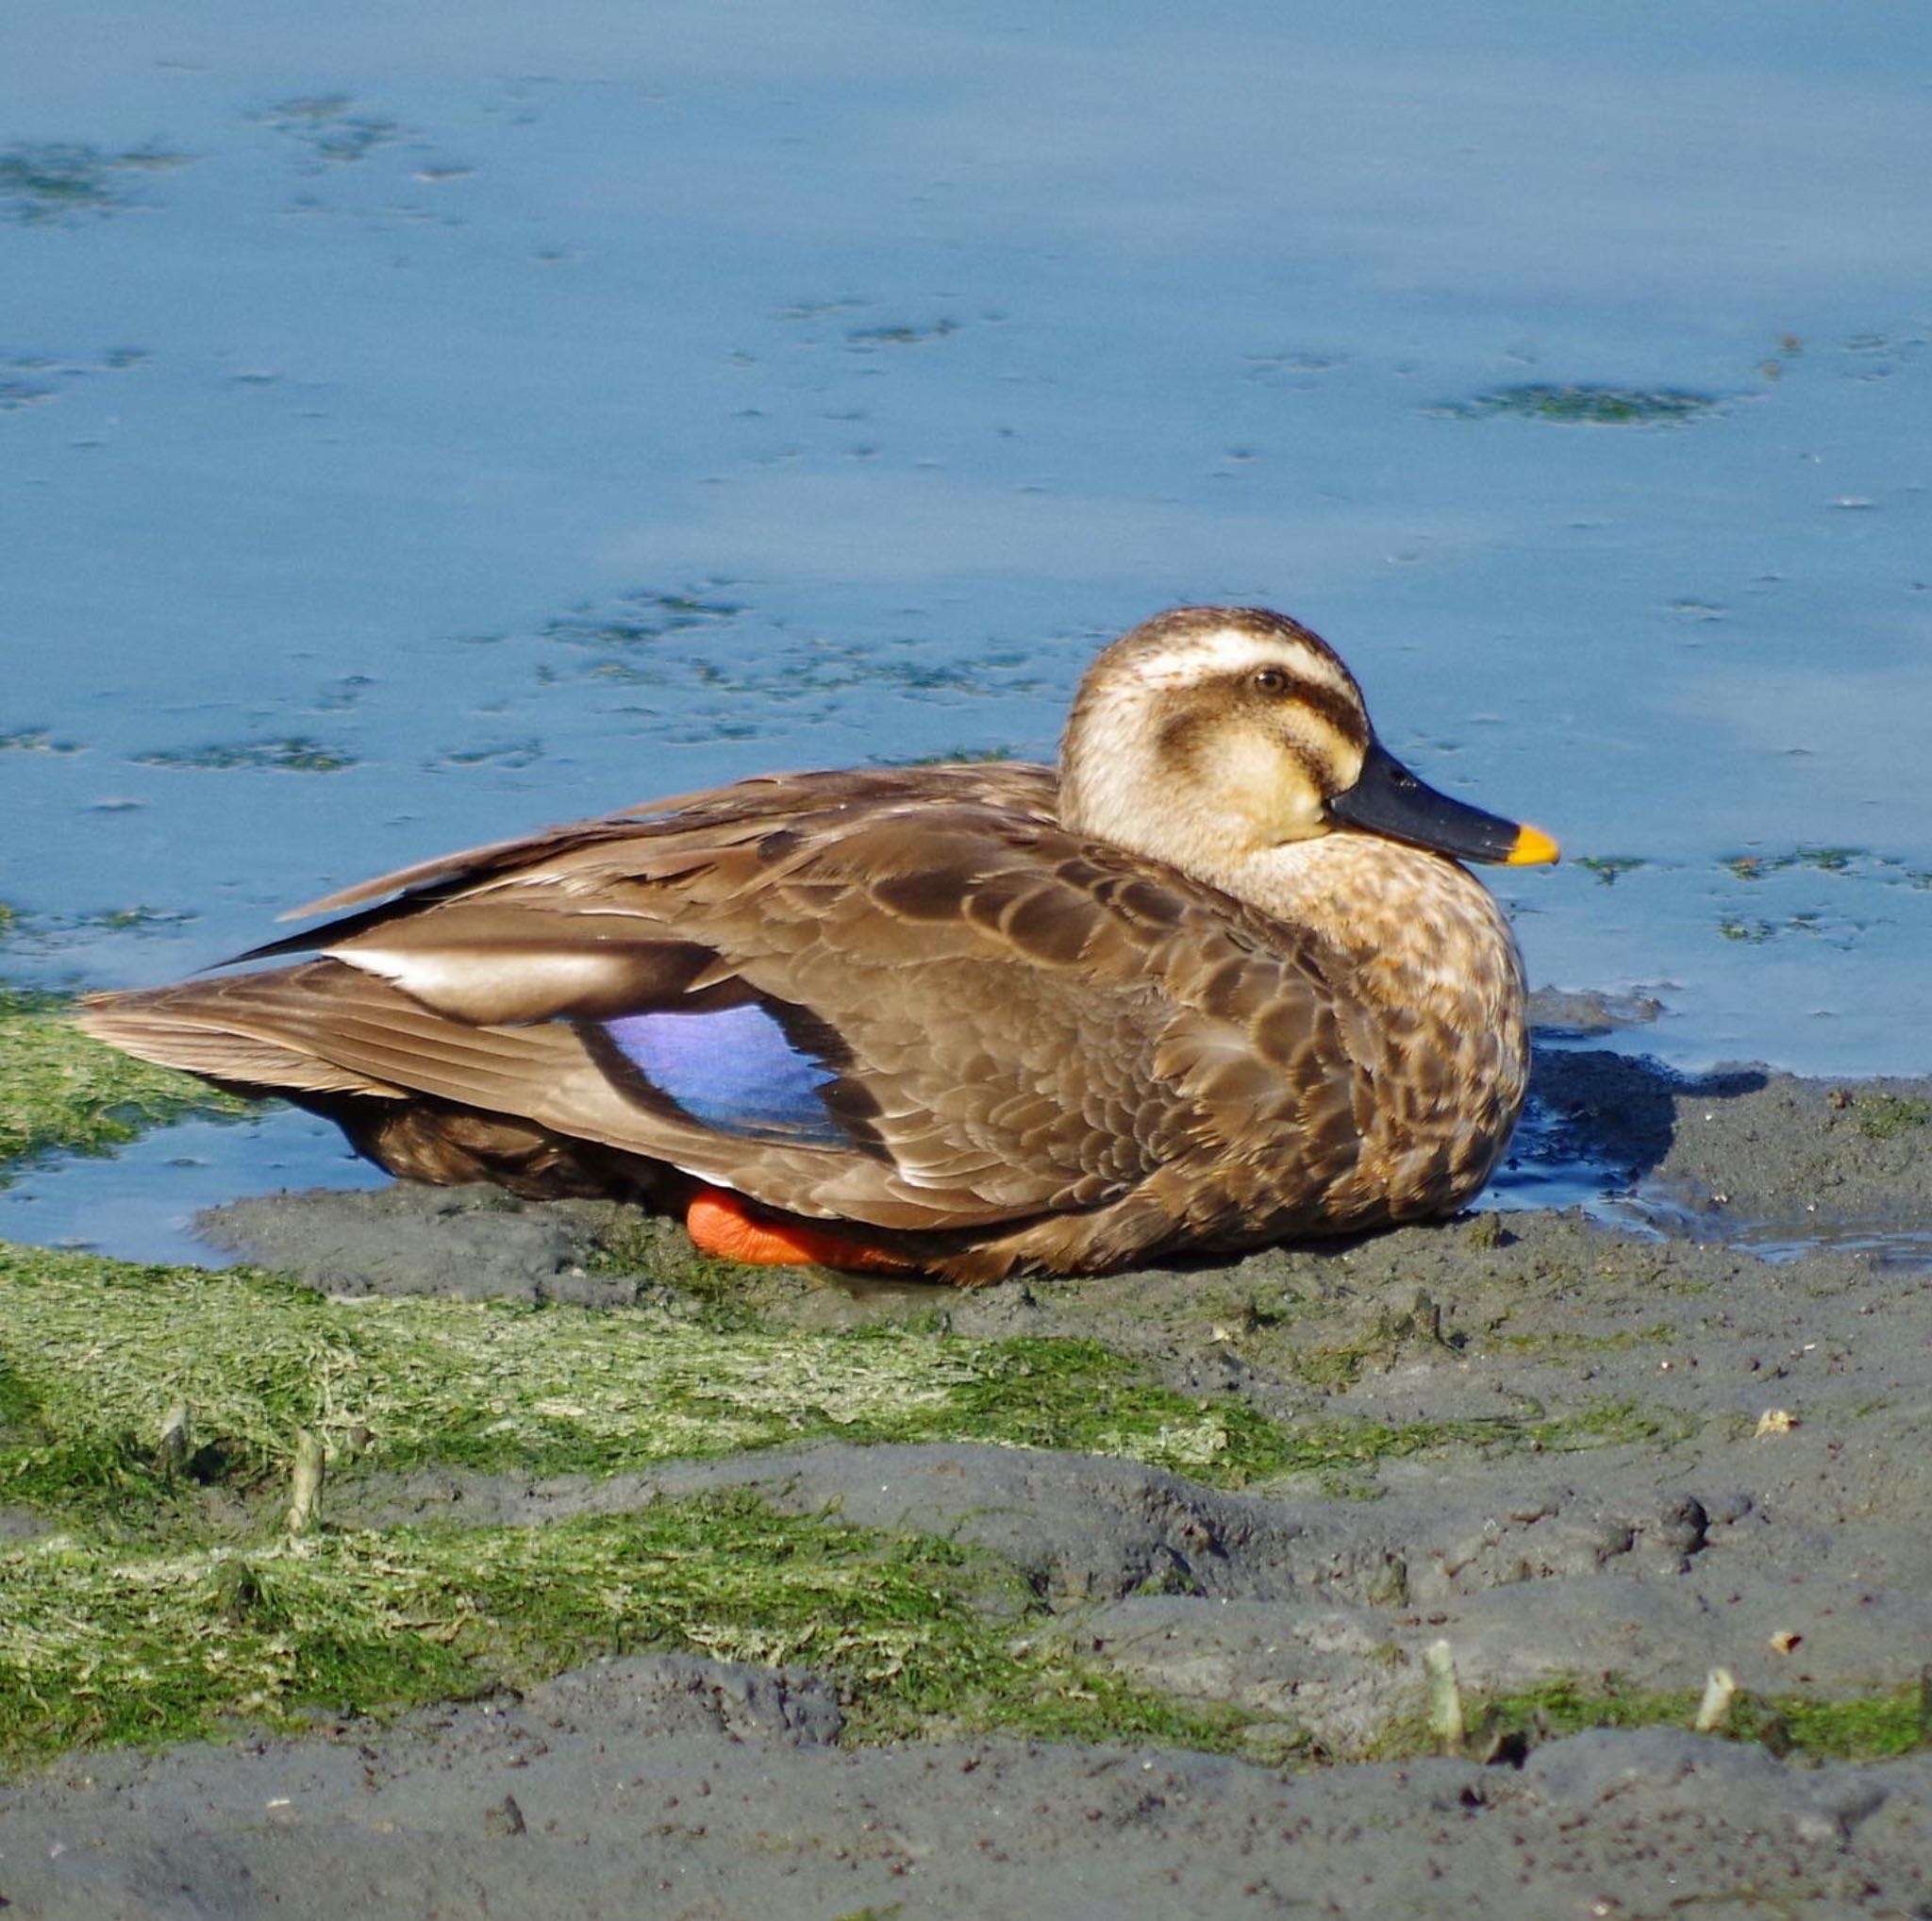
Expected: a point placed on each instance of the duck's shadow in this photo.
(1599, 1125)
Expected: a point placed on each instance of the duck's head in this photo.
(1209, 734)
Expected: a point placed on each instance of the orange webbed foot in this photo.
(720, 1224)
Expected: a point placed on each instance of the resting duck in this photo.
(1224, 981)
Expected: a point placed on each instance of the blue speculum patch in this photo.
(735, 1069)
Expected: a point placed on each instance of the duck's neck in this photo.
(1420, 932)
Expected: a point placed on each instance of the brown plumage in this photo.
(1193, 993)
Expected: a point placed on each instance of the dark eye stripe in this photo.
(1340, 714)
(1312, 771)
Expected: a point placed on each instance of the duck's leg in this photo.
(719, 1223)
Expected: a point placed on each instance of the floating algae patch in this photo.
(297, 754)
(32, 740)
(1587, 406)
(643, 616)
(1819, 860)
(58, 180)
(103, 1646)
(711, 665)
(326, 123)
(47, 933)
(60, 1089)
(1608, 867)
(863, 338)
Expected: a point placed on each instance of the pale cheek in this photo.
(1306, 820)
(1264, 788)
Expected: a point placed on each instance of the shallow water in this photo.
(411, 437)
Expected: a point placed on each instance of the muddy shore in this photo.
(1698, 1439)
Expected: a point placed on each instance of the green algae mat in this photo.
(58, 1089)
(153, 1418)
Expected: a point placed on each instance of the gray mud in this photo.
(667, 1787)
(1659, 1452)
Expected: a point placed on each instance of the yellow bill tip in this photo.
(1532, 847)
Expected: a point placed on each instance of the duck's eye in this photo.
(1269, 680)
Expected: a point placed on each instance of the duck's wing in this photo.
(910, 1014)
(756, 805)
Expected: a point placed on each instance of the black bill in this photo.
(1387, 799)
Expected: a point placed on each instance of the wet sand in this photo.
(1738, 1474)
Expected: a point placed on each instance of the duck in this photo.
(1222, 980)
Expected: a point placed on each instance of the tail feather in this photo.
(203, 1027)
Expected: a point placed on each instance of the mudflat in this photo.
(1389, 1577)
